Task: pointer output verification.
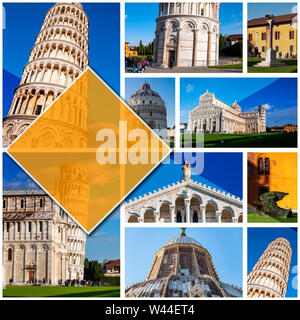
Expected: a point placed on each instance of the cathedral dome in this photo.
(183, 239)
(180, 269)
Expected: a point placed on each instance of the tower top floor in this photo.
(202, 9)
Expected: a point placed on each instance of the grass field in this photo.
(290, 67)
(72, 292)
(229, 66)
(271, 140)
(255, 217)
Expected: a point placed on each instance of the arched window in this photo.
(4, 204)
(260, 166)
(9, 254)
(41, 203)
(150, 113)
(267, 166)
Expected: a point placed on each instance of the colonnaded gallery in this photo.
(40, 241)
(58, 57)
(182, 268)
(187, 33)
(269, 277)
(213, 115)
(185, 201)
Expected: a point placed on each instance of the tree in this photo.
(222, 42)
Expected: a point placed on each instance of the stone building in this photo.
(278, 33)
(269, 276)
(59, 56)
(187, 33)
(182, 268)
(40, 241)
(213, 115)
(148, 104)
(272, 171)
(185, 201)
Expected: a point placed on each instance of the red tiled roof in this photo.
(277, 19)
(235, 37)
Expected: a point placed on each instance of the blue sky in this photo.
(258, 10)
(221, 170)
(278, 94)
(225, 245)
(165, 87)
(259, 239)
(140, 21)
(104, 42)
(104, 242)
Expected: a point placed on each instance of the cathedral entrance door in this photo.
(31, 275)
(204, 127)
(171, 58)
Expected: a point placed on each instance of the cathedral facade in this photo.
(187, 34)
(182, 268)
(148, 104)
(269, 277)
(41, 243)
(58, 57)
(214, 116)
(185, 201)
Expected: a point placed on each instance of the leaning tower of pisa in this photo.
(269, 276)
(59, 55)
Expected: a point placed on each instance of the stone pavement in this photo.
(191, 70)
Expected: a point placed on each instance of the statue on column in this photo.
(186, 168)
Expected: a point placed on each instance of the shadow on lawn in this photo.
(277, 140)
(91, 294)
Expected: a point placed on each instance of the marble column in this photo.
(156, 216)
(164, 49)
(172, 209)
(179, 30)
(202, 210)
(218, 214)
(195, 48)
(217, 50)
(208, 47)
(187, 210)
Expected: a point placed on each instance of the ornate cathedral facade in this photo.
(213, 115)
(185, 201)
(187, 34)
(182, 268)
(41, 243)
(59, 56)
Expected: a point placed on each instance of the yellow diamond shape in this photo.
(88, 150)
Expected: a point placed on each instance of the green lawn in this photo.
(255, 217)
(72, 292)
(229, 66)
(271, 140)
(291, 66)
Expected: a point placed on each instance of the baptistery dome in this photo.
(151, 108)
(182, 268)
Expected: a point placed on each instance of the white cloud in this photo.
(268, 106)
(189, 88)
